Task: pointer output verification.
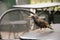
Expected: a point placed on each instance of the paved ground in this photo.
(5, 35)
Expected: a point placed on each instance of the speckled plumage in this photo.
(40, 22)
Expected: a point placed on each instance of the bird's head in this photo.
(33, 16)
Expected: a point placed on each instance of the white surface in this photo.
(42, 5)
(44, 35)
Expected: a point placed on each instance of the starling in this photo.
(40, 22)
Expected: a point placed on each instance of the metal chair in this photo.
(57, 16)
(14, 18)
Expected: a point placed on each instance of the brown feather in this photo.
(40, 22)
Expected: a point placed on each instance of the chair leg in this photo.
(0, 36)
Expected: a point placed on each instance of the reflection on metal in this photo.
(16, 2)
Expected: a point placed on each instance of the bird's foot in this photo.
(37, 30)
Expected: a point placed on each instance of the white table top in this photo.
(42, 5)
(47, 35)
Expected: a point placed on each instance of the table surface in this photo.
(43, 35)
(42, 5)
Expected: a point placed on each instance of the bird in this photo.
(41, 23)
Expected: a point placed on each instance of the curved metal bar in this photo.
(10, 10)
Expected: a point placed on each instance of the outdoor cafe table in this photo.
(37, 6)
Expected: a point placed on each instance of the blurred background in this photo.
(8, 4)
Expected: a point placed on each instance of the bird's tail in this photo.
(50, 27)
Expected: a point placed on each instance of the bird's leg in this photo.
(43, 30)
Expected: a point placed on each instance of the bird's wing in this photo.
(45, 22)
(41, 20)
